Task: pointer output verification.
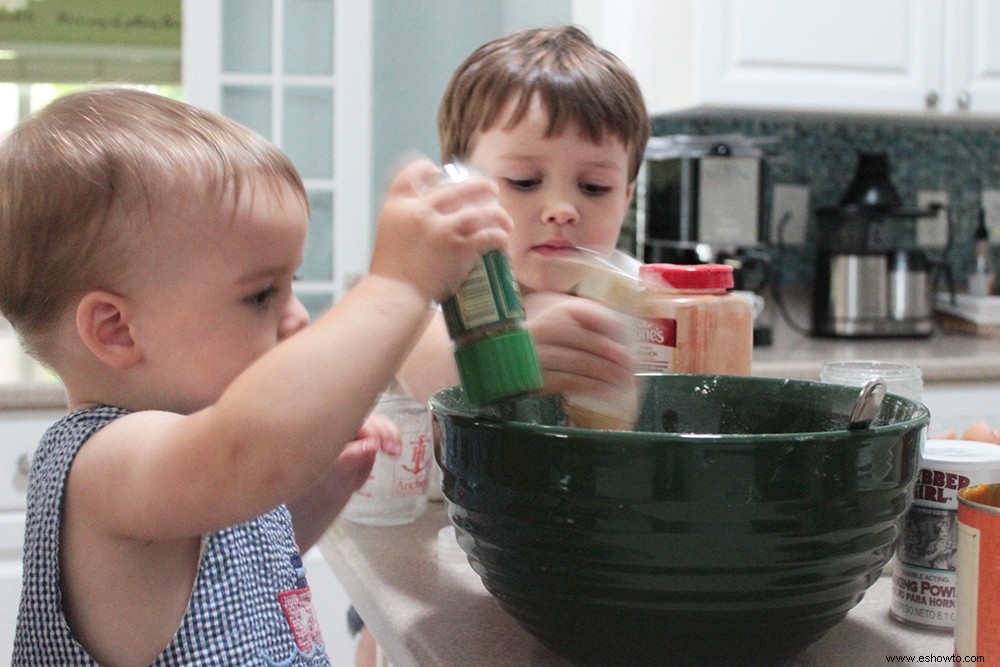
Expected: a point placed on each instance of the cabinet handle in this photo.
(931, 99)
(964, 100)
(23, 464)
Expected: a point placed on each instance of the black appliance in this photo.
(869, 281)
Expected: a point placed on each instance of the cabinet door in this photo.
(837, 55)
(972, 57)
(20, 433)
(841, 55)
(11, 539)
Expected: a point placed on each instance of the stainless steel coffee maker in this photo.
(868, 283)
(699, 200)
(699, 196)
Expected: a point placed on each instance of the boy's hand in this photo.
(583, 346)
(431, 238)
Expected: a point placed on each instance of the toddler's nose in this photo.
(295, 319)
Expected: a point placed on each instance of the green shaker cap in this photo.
(499, 366)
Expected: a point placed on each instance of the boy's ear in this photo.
(629, 191)
(102, 322)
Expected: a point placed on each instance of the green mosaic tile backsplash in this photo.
(821, 153)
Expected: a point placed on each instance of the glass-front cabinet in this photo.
(298, 72)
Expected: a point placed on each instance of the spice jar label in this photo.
(655, 344)
(488, 296)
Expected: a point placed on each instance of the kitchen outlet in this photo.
(791, 201)
(991, 207)
(932, 233)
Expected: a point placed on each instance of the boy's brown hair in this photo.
(80, 180)
(577, 82)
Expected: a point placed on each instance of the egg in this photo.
(982, 432)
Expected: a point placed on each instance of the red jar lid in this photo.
(690, 276)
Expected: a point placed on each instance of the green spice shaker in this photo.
(495, 354)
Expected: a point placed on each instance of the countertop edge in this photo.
(52, 396)
(972, 369)
(415, 606)
(33, 396)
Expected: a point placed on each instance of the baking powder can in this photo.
(978, 617)
(924, 580)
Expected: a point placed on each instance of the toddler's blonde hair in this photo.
(79, 182)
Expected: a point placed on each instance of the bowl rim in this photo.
(921, 417)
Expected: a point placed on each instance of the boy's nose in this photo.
(560, 212)
(295, 319)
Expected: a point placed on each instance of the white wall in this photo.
(418, 44)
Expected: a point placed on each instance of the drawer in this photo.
(20, 432)
(11, 537)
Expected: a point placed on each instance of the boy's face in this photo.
(562, 191)
(218, 293)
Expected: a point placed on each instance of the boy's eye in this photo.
(522, 183)
(594, 189)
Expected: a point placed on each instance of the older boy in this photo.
(561, 126)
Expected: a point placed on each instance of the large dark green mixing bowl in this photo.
(740, 522)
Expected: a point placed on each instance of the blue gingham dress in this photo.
(250, 604)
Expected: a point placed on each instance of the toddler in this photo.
(147, 252)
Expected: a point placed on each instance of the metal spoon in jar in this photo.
(868, 404)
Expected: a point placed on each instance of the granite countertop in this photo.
(942, 357)
(429, 612)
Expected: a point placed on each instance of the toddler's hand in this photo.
(432, 239)
(355, 462)
(379, 433)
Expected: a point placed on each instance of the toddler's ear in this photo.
(103, 325)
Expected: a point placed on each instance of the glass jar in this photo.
(396, 490)
(691, 323)
(903, 379)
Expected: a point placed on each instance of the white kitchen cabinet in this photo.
(20, 433)
(331, 603)
(11, 543)
(971, 77)
(899, 56)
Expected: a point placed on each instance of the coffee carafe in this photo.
(868, 283)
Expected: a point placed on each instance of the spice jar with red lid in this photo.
(691, 323)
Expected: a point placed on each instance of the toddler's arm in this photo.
(314, 510)
(286, 419)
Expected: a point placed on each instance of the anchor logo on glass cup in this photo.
(396, 490)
